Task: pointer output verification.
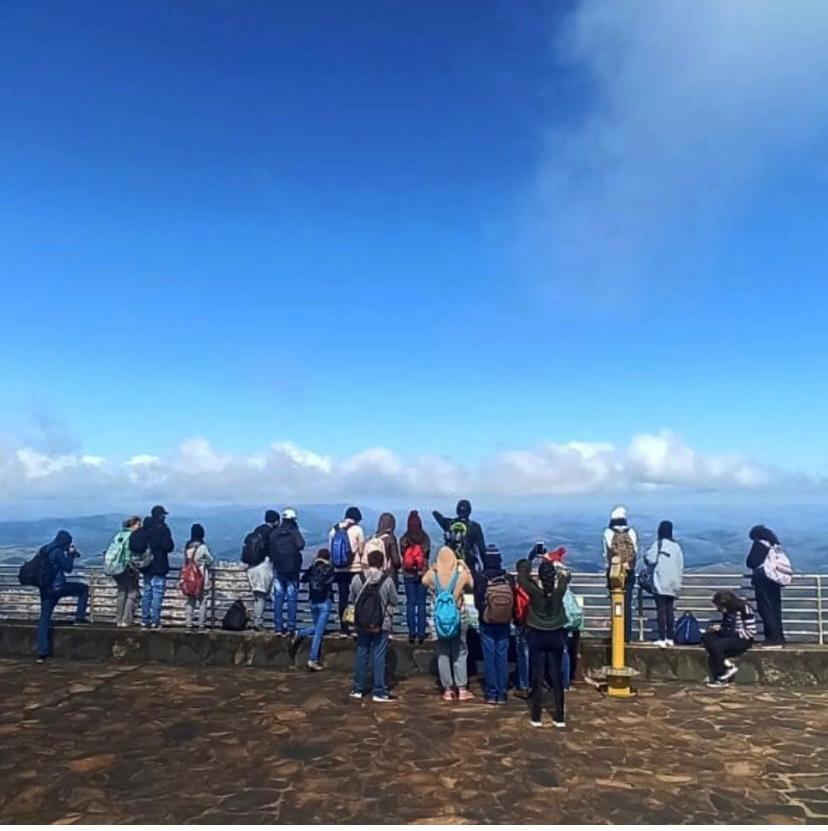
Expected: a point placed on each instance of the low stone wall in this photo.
(802, 666)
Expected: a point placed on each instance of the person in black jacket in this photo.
(768, 593)
(161, 546)
(320, 579)
(286, 544)
(474, 543)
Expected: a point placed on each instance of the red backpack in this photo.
(414, 559)
(191, 580)
(522, 601)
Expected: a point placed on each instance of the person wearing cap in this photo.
(473, 557)
(345, 574)
(286, 545)
(155, 574)
(618, 525)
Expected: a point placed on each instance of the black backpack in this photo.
(139, 540)
(253, 549)
(369, 611)
(35, 571)
(235, 619)
(318, 585)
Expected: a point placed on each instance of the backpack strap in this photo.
(437, 587)
(453, 584)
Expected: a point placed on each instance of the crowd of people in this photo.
(469, 586)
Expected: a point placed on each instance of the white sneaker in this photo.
(670, 642)
(559, 723)
(536, 723)
(729, 673)
(355, 694)
(728, 663)
(661, 644)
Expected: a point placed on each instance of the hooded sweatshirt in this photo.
(286, 544)
(668, 558)
(546, 611)
(415, 535)
(61, 560)
(387, 593)
(386, 526)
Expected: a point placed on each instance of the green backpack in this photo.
(574, 613)
(117, 556)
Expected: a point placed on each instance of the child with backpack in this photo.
(449, 579)
(494, 597)
(619, 540)
(373, 598)
(728, 639)
(320, 580)
(196, 578)
(118, 564)
(415, 547)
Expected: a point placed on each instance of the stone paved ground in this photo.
(91, 742)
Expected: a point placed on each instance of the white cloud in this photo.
(196, 471)
(694, 105)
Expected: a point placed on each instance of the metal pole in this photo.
(820, 627)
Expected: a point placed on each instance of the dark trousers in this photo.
(343, 588)
(666, 616)
(769, 606)
(543, 645)
(719, 647)
(48, 600)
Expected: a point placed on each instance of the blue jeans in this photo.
(154, 587)
(285, 587)
(494, 637)
(522, 652)
(320, 612)
(365, 644)
(415, 607)
(48, 600)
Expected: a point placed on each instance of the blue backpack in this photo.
(446, 613)
(340, 548)
(688, 631)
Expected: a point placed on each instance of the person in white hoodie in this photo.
(619, 537)
(666, 559)
(347, 563)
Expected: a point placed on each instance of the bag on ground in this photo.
(499, 601)
(369, 610)
(446, 614)
(235, 618)
(688, 631)
(341, 548)
(777, 566)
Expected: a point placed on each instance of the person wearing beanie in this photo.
(469, 545)
(260, 576)
(546, 623)
(415, 550)
(666, 560)
(345, 574)
(616, 537)
(494, 597)
(768, 593)
(161, 545)
(197, 552)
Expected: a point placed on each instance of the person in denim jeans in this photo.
(373, 643)
(60, 560)
(320, 579)
(286, 544)
(415, 592)
(155, 574)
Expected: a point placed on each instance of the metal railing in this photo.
(804, 603)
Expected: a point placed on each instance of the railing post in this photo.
(820, 628)
(91, 581)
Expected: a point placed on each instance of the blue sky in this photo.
(460, 230)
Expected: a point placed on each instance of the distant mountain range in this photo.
(712, 540)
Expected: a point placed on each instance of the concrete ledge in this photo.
(794, 666)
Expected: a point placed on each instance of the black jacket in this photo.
(326, 575)
(286, 544)
(481, 583)
(476, 541)
(161, 545)
(264, 531)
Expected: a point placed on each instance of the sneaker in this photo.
(670, 642)
(728, 663)
(144, 625)
(560, 724)
(536, 723)
(501, 701)
(411, 639)
(355, 694)
(448, 695)
(382, 699)
(155, 626)
(492, 701)
(41, 659)
(661, 644)
(728, 673)
(465, 695)
(718, 685)
(122, 625)
(315, 666)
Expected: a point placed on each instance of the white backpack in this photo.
(375, 543)
(777, 566)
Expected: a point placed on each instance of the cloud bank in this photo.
(693, 105)
(198, 472)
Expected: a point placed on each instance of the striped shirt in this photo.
(740, 624)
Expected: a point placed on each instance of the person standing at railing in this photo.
(346, 541)
(197, 553)
(320, 580)
(161, 545)
(286, 545)
(256, 556)
(665, 560)
(619, 540)
(768, 593)
(415, 547)
(58, 558)
(118, 564)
